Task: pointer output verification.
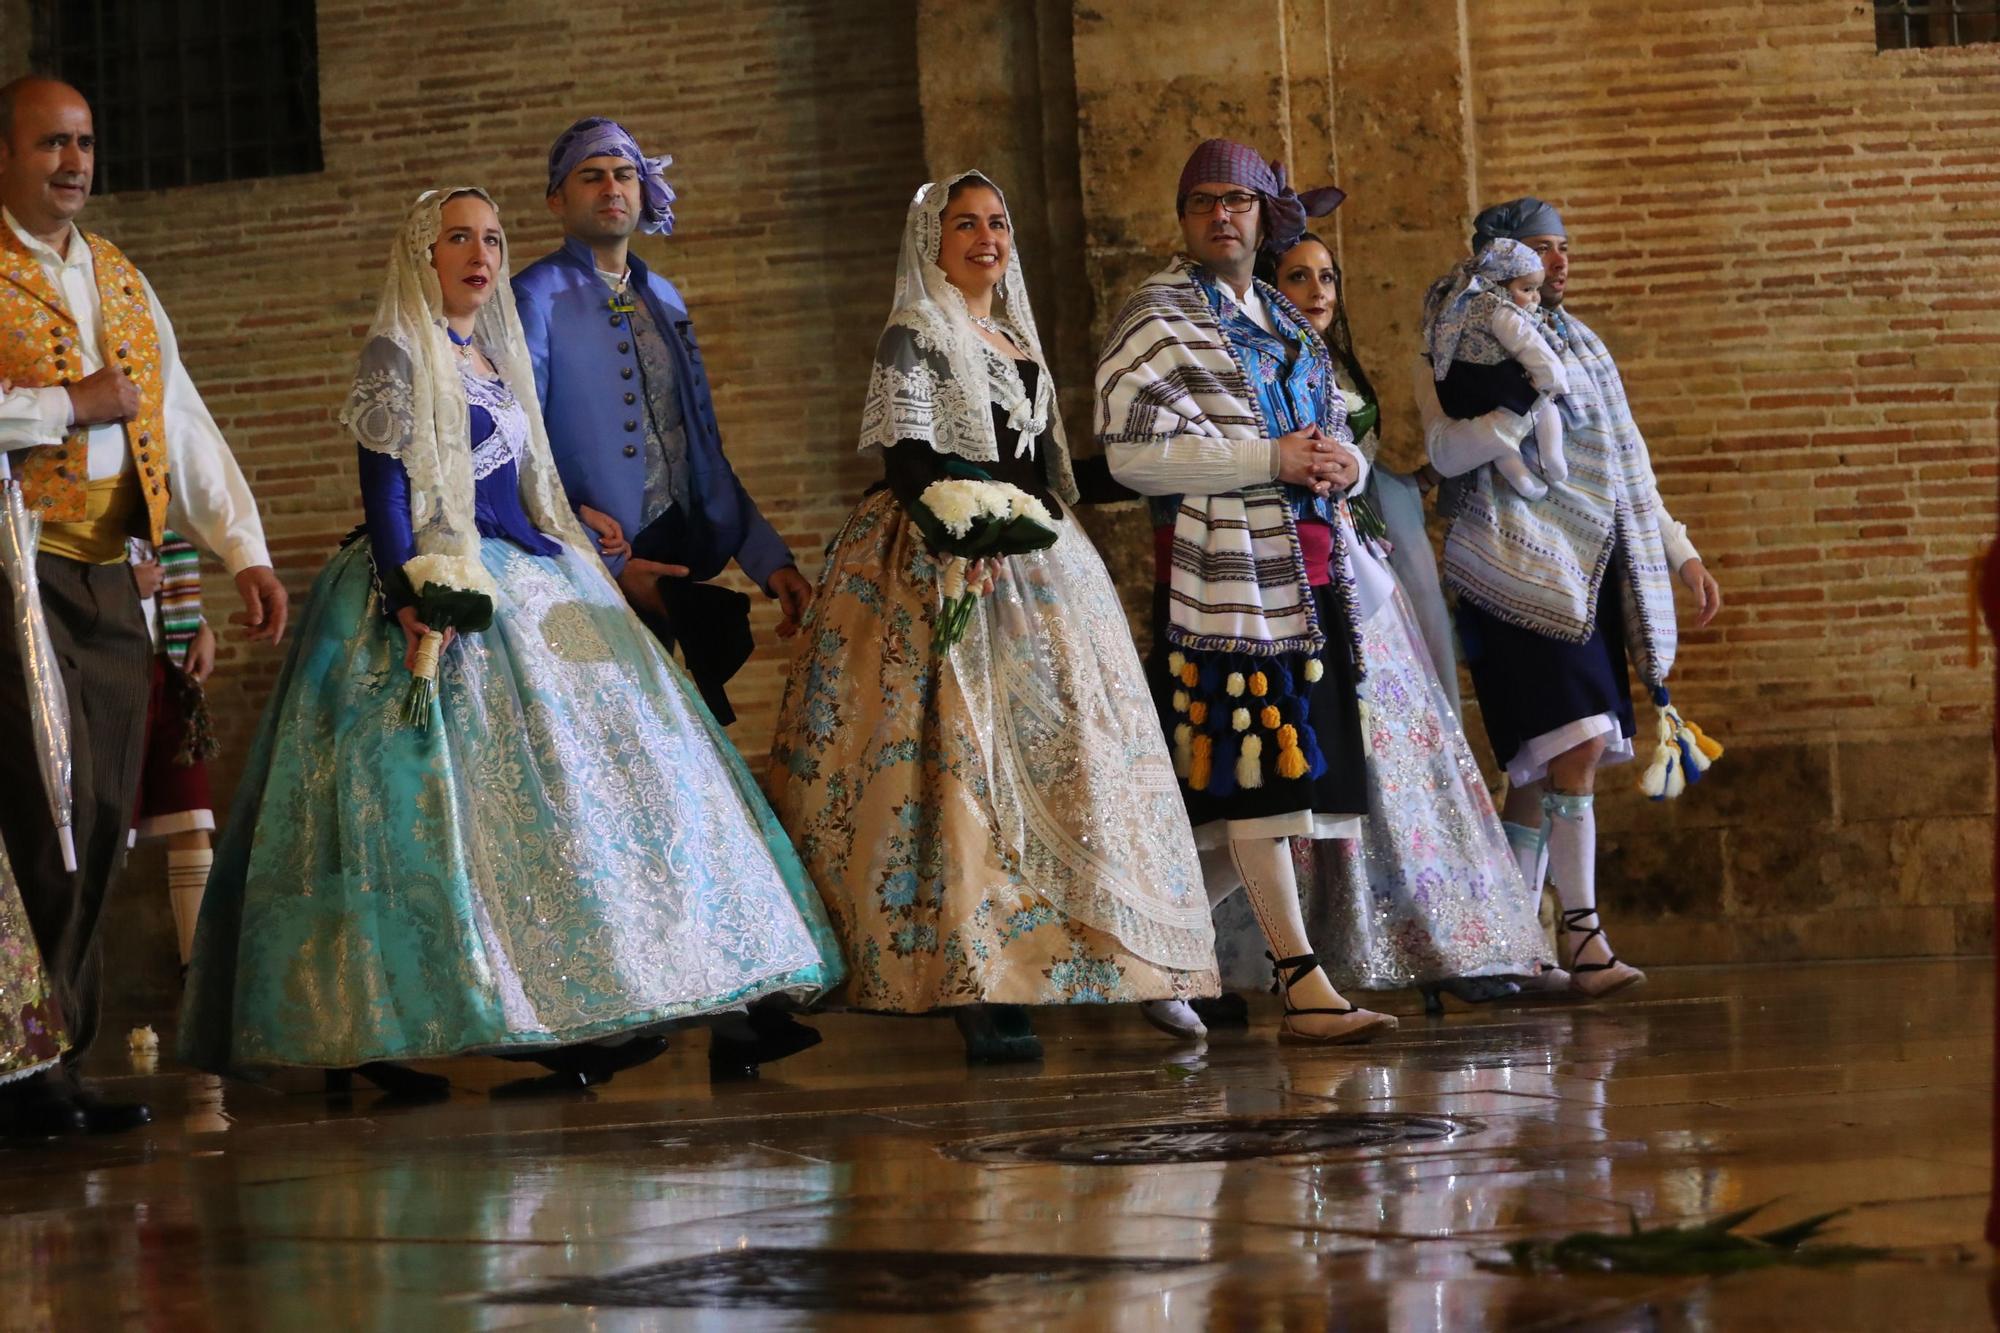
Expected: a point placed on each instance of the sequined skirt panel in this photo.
(997, 823)
(1429, 890)
(572, 850)
(31, 1026)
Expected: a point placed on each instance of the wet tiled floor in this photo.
(848, 1184)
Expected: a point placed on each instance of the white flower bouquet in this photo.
(967, 518)
(448, 593)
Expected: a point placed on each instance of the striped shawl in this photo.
(1238, 580)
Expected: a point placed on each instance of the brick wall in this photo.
(795, 130)
(796, 142)
(1792, 244)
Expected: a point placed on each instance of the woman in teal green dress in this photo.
(571, 852)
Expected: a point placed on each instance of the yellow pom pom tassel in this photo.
(1259, 684)
(1203, 766)
(1183, 750)
(1240, 720)
(1198, 712)
(1180, 701)
(1288, 738)
(1314, 669)
(1234, 685)
(1249, 773)
(1188, 674)
(1175, 661)
(1291, 763)
(1270, 717)
(1707, 744)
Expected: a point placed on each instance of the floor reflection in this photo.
(271, 1206)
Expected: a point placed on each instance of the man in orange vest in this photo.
(107, 434)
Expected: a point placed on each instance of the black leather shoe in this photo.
(595, 1063)
(35, 1108)
(776, 1035)
(103, 1116)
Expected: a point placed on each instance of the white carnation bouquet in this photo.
(967, 518)
(449, 593)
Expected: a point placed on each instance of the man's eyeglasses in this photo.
(1236, 201)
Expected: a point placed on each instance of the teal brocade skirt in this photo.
(573, 850)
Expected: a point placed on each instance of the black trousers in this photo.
(104, 656)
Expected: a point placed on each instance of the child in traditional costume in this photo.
(1487, 353)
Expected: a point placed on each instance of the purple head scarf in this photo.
(599, 136)
(1285, 212)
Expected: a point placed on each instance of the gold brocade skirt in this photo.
(999, 822)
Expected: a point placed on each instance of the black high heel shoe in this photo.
(1304, 965)
(1471, 990)
(399, 1081)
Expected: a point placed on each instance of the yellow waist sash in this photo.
(112, 509)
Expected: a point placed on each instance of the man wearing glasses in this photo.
(1216, 399)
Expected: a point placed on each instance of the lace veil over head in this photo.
(934, 376)
(408, 401)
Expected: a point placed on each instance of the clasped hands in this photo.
(639, 579)
(1310, 458)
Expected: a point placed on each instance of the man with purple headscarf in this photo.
(629, 413)
(632, 426)
(1216, 398)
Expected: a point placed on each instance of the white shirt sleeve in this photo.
(209, 500)
(1192, 464)
(1361, 465)
(30, 417)
(1517, 334)
(1456, 447)
(1674, 537)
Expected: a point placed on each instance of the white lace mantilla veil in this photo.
(931, 380)
(408, 401)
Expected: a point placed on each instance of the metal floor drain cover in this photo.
(921, 1282)
(1223, 1139)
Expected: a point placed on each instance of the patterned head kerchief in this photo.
(1517, 219)
(1477, 285)
(598, 136)
(1285, 212)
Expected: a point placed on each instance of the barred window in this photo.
(184, 92)
(1902, 25)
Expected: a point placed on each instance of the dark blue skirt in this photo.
(1530, 684)
(1333, 707)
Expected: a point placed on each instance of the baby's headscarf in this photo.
(1285, 213)
(599, 136)
(1485, 274)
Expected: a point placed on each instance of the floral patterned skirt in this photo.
(1429, 890)
(998, 823)
(31, 1027)
(571, 851)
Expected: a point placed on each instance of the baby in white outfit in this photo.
(1487, 352)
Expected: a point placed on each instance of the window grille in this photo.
(1903, 25)
(184, 92)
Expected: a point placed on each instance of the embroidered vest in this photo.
(38, 349)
